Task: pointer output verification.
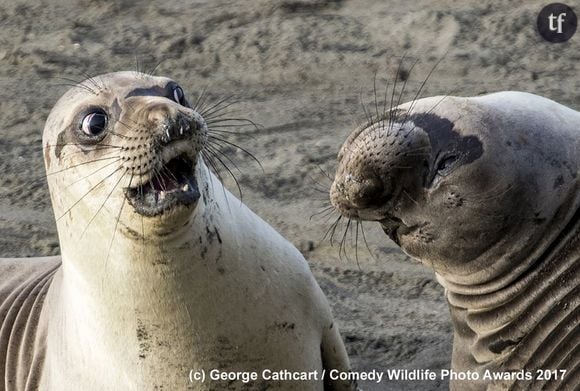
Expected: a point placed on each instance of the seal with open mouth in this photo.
(163, 275)
(486, 191)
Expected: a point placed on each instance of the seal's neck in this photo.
(139, 301)
(511, 321)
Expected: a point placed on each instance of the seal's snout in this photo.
(360, 189)
(351, 193)
(181, 127)
(368, 163)
(163, 154)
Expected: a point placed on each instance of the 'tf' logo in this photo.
(560, 20)
(557, 22)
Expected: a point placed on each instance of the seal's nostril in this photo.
(354, 192)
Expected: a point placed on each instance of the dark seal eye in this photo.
(178, 94)
(94, 123)
(446, 163)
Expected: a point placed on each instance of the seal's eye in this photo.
(445, 164)
(94, 123)
(178, 94)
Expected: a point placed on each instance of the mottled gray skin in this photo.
(148, 288)
(486, 191)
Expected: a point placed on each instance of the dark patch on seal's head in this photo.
(61, 141)
(443, 137)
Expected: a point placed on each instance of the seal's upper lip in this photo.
(173, 183)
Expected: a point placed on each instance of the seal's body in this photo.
(486, 191)
(164, 275)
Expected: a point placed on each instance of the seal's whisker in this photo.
(214, 148)
(367, 116)
(328, 217)
(217, 130)
(119, 135)
(218, 140)
(126, 125)
(210, 159)
(330, 228)
(402, 92)
(88, 192)
(140, 191)
(391, 104)
(333, 232)
(93, 81)
(220, 105)
(151, 72)
(95, 149)
(102, 205)
(79, 144)
(166, 171)
(117, 219)
(80, 164)
(82, 86)
(211, 162)
(241, 122)
(76, 84)
(325, 200)
(93, 173)
(226, 126)
(356, 245)
(216, 105)
(342, 246)
(227, 168)
(319, 187)
(417, 149)
(160, 178)
(409, 197)
(200, 99)
(325, 215)
(325, 210)
(494, 192)
(319, 190)
(326, 174)
(362, 230)
(375, 95)
(418, 94)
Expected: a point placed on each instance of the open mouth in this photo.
(172, 184)
(394, 228)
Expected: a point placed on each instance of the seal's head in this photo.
(124, 144)
(452, 182)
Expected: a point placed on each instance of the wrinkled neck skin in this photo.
(106, 313)
(523, 317)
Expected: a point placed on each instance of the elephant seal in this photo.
(164, 276)
(485, 190)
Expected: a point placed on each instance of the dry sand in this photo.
(298, 68)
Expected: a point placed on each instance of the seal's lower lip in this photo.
(395, 228)
(172, 184)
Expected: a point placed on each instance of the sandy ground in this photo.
(300, 69)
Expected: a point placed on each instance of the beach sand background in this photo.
(300, 69)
